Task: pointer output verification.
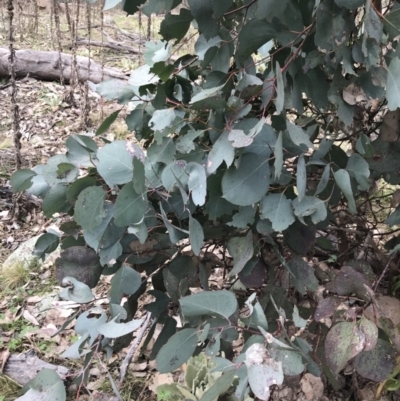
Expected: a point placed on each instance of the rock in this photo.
(24, 367)
(23, 254)
(312, 387)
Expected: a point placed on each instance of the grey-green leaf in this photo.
(277, 209)
(248, 183)
(393, 84)
(89, 208)
(115, 330)
(76, 291)
(221, 303)
(177, 350)
(342, 179)
(46, 243)
(301, 177)
(280, 89)
(241, 249)
(130, 206)
(197, 183)
(46, 386)
(196, 235)
(22, 180)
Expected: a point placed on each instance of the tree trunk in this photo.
(45, 65)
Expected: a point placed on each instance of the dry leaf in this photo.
(390, 128)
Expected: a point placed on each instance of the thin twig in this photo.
(392, 256)
(132, 350)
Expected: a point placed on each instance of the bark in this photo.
(45, 65)
(110, 45)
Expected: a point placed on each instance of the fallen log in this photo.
(46, 65)
(110, 45)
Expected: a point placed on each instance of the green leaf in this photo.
(163, 153)
(76, 291)
(292, 364)
(46, 386)
(139, 179)
(177, 350)
(175, 234)
(156, 52)
(175, 26)
(394, 218)
(221, 151)
(359, 169)
(162, 119)
(239, 139)
(81, 150)
(297, 135)
(252, 36)
(106, 124)
(115, 330)
(106, 233)
(109, 256)
(66, 171)
(244, 217)
(196, 235)
(203, 12)
(267, 9)
(89, 208)
(248, 183)
(197, 183)
(130, 206)
(278, 152)
(55, 200)
(377, 363)
(373, 24)
(391, 22)
(280, 89)
(350, 4)
(46, 243)
(206, 94)
(221, 386)
(310, 206)
(257, 316)
(278, 210)
(124, 283)
(332, 30)
(142, 76)
(342, 179)
(393, 84)
(50, 174)
(186, 144)
(301, 177)
(242, 250)
(78, 186)
(303, 275)
(263, 371)
(221, 303)
(115, 89)
(168, 330)
(115, 161)
(22, 180)
(157, 7)
(324, 179)
(343, 342)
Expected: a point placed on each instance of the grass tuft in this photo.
(14, 276)
(9, 390)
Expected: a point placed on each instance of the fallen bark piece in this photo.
(24, 367)
(46, 65)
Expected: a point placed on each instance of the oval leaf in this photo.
(177, 350)
(217, 303)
